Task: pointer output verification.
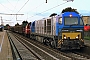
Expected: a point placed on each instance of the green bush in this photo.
(87, 38)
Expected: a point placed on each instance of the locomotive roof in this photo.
(68, 13)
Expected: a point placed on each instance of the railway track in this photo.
(23, 52)
(43, 52)
(78, 55)
(39, 51)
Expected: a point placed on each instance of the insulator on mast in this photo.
(46, 1)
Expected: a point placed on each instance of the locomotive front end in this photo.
(71, 31)
(72, 39)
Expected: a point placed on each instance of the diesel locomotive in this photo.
(64, 31)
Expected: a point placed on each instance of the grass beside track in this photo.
(87, 38)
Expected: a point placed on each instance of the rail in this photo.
(15, 53)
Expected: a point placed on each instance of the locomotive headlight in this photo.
(70, 15)
(77, 37)
(65, 37)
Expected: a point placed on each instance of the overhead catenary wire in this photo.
(36, 7)
(12, 10)
(48, 9)
(51, 8)
(10, 3)
(13, 7)
(6, 7)
(33, 8)
(23, 6)
(16, 5)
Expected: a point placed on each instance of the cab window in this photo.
(60, 20)
(81, 21)
(71, 21)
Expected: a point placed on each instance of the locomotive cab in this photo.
(70, 31)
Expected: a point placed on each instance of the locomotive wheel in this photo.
(44, 41)
(52, 44)
(47, 42)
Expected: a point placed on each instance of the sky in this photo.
(37, 9)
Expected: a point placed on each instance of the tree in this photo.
(53, 14)
(24, 22)
(69, 9)
(29, 23)
(17, 24)
(7, 25)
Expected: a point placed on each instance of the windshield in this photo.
(71, 21)
(81, 21)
